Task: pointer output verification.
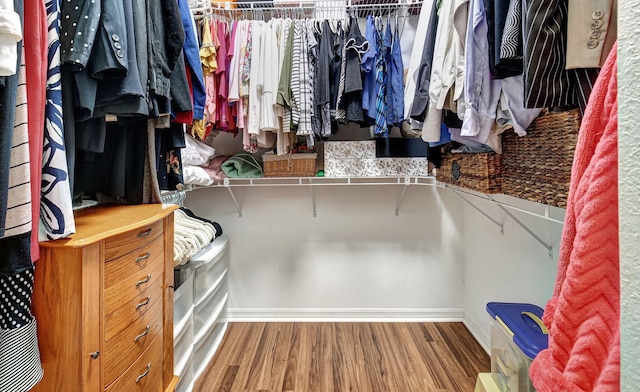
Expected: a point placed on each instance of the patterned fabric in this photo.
(15, 300)
(18, 216)
(544, 26)
(511, 45)
(56, 207)
(305, 104)
(20, 366)
(381, 119)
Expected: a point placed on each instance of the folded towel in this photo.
(243, 165)
(583, 314)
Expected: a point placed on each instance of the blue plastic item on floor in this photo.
(524, 321)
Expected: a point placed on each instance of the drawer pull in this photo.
(144, 233)
(144, 374)
(142, 335)
(144, 257)
(143, 303)
(94, 355)
(143, 281)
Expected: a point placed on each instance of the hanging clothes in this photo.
(544, 29)
(395, 84)
(35, 43)
(20, 367)
(56, 207)
(496, 14)
(368, 67)
(382, 59)
(423, 78)
(355, 47)
(13, 34)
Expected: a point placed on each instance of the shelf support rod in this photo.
(233, 197)
(407, 181)
(313, 199)
(531, 233)
(500, 225)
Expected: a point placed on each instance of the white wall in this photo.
(629, 168)
(356, 258)
(509, 267)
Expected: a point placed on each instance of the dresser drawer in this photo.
(129, 275)
(132, 310)
(145, 375)
(127, 345)
(124, 243)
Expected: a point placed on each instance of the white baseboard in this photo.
(480, 334)
(346, 315)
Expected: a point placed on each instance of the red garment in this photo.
(186, 117)
(583, 314)
(35, 52)
(222, 82)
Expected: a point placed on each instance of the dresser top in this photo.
(97, 223)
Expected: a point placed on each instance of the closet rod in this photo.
(318, 5)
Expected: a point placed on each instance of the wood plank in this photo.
(359, 357)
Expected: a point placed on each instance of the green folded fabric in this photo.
(243, 165)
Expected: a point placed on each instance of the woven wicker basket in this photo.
(290, 165)
(537, 167)
(480, 172)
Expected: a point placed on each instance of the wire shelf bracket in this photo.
(226, 184)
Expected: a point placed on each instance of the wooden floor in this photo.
(366, 357)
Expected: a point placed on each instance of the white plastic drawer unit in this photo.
(209, 265)
(183, 302)
(183, 348)
(185, 384)
(207, 347)
(211, 309)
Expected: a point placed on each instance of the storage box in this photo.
(358, 159)
(486, 383)
(517, 335)
(289, 165)
(537, 167)
(481, 172)
(183, 299)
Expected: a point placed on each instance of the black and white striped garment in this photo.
(585, 79)
(303, 88)
(546, 82)
(20, 366)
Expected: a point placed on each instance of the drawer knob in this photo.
(143, 303)
(143, 257)
(143, 281)
(95, 354)
(144, 374)
(144, 233)
(142, 335)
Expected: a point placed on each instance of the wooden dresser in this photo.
(103, 299)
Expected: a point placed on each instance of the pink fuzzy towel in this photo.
(583, 314)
